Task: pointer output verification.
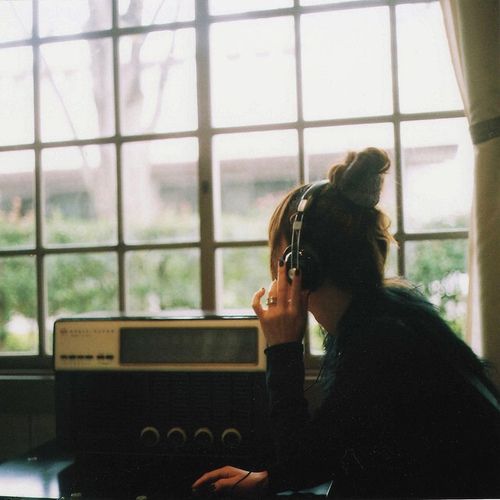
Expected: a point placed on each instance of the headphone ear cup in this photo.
(287, 258)
(308, 265)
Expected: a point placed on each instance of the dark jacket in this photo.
(400, 418)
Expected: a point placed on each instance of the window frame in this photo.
(207, 243)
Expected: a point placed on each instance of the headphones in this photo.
(297, 255)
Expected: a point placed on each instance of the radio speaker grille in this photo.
(106, 412)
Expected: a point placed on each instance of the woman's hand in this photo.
(231, 481)
(284, 319)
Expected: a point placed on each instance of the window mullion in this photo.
(39, 201)
(122, 296)
(311, 360)
(205, 177)
(303, 173)
(397, 137)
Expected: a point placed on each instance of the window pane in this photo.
(158, 82)
(80, 283)
(79, 186)
(253, 72)
(438, 161)
(244, 271)
(18, 305)
(346, 68)
(440, 269)
(253, 173)
(16, 95)
(160, 186)
(146, 12)
(315, 336)
(218, 7)
(16, 20)
(326, 146)
(391, 265)
(17, 220)
(323, 2)
(77, 90)
(64, 17)
(161, 280)
(427, 81)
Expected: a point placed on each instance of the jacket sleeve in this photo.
(304, 452)
(354, 416)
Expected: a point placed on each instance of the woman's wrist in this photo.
(285, 347)
(262, 483)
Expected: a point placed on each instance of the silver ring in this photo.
(271, 301)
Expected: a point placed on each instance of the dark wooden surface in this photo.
(48, 473)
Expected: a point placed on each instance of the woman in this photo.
(408, 409)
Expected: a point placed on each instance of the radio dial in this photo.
(203, 438)
(176, 437)
(231, 438)
(150, 436)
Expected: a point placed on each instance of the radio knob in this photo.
(231, 438)
(150, 436)
(176, 437)
(203, 438)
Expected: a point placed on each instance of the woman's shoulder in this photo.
(396, 307)
(399, 323)
(404, 305)
(394, 321)
(403, 295)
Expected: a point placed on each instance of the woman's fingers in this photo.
(256, 305)
(225, 480)
(283, 285)
(272, 290)
(295, 298)
(280, 291)
(208, 477)
(224, 484)
(284, 318)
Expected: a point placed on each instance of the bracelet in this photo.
(239, 481)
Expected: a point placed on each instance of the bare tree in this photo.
(133, 100)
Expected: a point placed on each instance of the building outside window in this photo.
(145, 143)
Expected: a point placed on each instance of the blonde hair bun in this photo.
(360, 177)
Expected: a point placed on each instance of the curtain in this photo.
(473, 30)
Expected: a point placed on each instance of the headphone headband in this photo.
(306, 201)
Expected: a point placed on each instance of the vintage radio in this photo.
(161, 386)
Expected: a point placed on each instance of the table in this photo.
(48, 473)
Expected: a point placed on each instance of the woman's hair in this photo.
(342, 228)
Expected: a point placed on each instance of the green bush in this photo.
(439, 268)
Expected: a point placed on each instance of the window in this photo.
(145, 143)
